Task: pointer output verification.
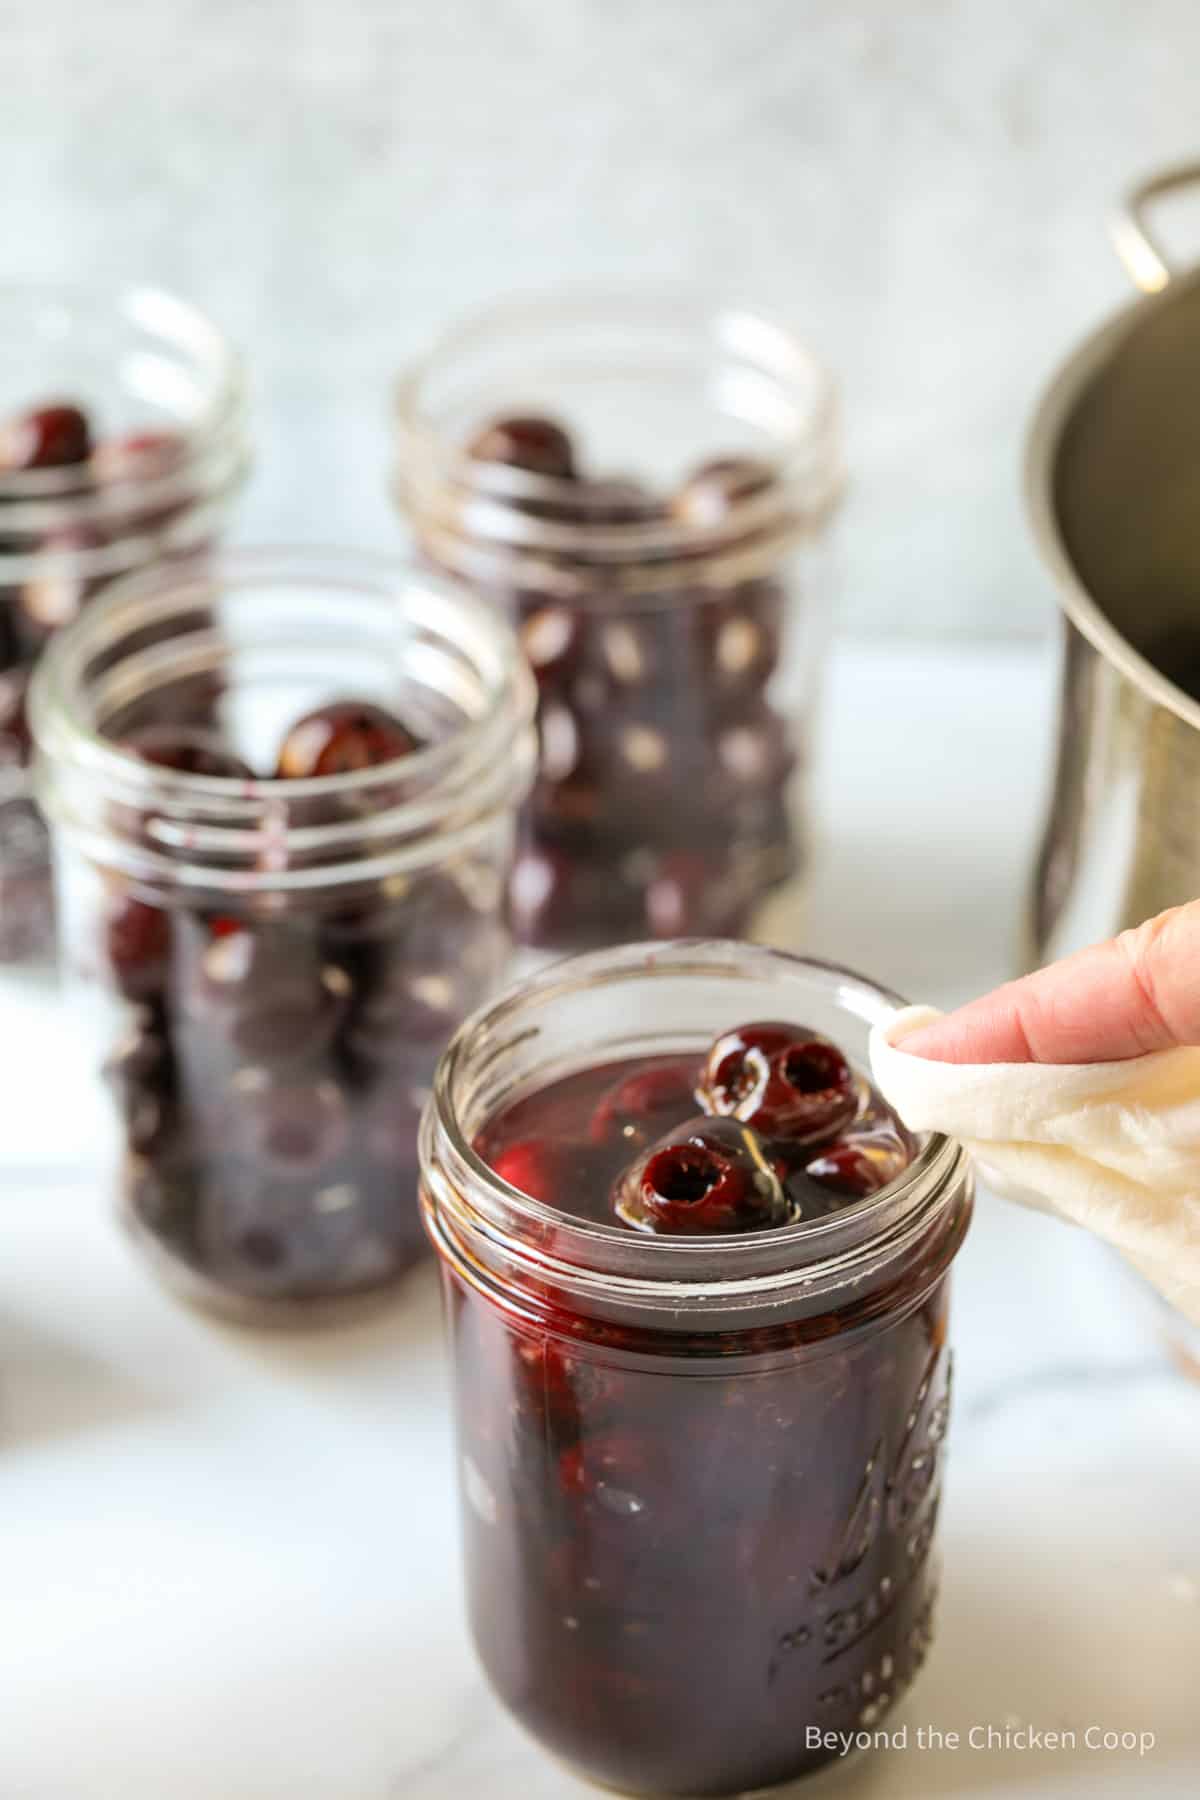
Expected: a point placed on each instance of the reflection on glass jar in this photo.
(283, 792)
(123, 439)
(699, 1475)
(645, 485)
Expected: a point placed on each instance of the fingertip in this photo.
(924, 1042)
(939, 1042)
(988, 1030)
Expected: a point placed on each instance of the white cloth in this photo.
(1113, 1146)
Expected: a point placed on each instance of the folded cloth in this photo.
(1114, 1147)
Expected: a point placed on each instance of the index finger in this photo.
(1132, 994)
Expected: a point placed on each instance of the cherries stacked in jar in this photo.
(644, 485)
(701, 1364)
(284, 792)
(123, 438)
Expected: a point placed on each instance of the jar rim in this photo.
(479, 506)
(814, 1256)
(73, 750)
(149, 307)
(211, 453)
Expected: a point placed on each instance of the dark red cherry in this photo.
(781, 1080)
(565, 1387)
(414, 959)
(638, 1109)
(15, 741)
(708, 1177)
(263, 990)
(280, 1234)
(10, 645)
(188, 750)
(538, 446)
(740, 640)
(342, 738)
(539, 894)
(615, 500)
(550, 638)
(736, 1065)
(851, 1170)
(237, 962)
(534, 1166)
(292, 1020)
(689, 896)
(261, 1249)
(613, 1468)
(137, 942)
(46, 437)
(55, 593)
(715, 488)
(386, 1126)
(140, 1074)
(294, 1130)
(414, 1002)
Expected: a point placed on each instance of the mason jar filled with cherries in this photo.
(123, 438)
(645, 485)
(283, 792)
(696, 1282)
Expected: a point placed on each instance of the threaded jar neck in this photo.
(651, 999)
(273, 633)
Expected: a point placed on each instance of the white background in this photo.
(920, 184)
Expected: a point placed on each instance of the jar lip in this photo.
(66, 739)
(816, 1253)
(804, 475)
(41, 499)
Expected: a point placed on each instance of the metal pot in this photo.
(1113, 478)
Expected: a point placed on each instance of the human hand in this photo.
(1135, 993)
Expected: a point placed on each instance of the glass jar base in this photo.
(304, 1312)
(847, 1742)
(785, 1785)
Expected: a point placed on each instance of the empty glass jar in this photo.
(644, 483)
(269, 967)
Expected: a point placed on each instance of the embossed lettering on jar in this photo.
(277, 910)
(700, 1435)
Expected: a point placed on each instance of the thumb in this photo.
(1137, 992)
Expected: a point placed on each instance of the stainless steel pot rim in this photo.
(1054, 407)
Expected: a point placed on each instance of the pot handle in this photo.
(1136, 244)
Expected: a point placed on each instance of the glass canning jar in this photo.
(269, 968)
(164, 400)
(699, 1476)
(668, 579)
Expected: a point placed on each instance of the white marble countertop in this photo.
(229, 1561)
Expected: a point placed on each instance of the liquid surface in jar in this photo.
(770, 1127)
